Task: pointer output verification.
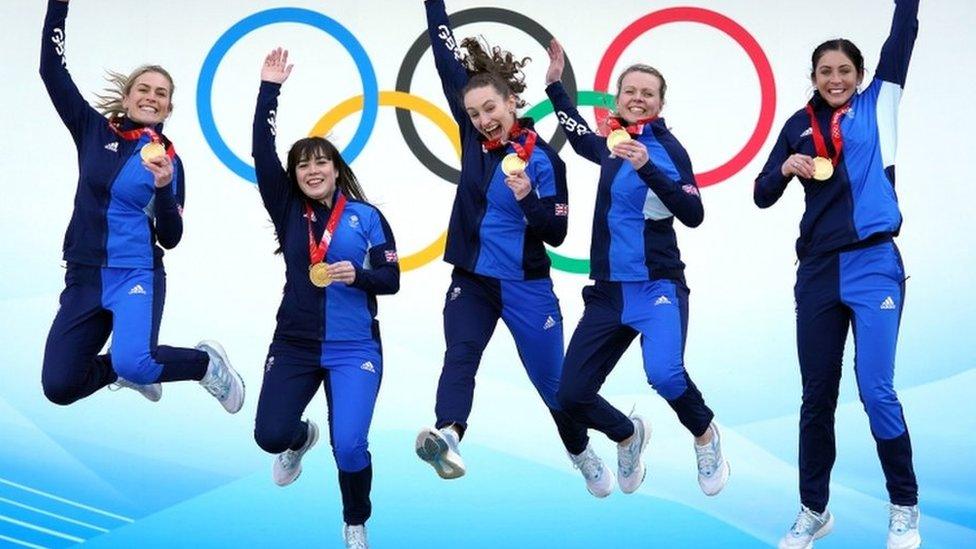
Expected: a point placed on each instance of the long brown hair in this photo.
(310, 147)
(498, 69)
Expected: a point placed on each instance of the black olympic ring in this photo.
(416, 51)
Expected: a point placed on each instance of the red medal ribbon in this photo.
(636, 128)
(524, 151)
(136, 134)
(317, 251)
(835, 136)
(513, 134)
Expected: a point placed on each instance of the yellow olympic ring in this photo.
(411, 103)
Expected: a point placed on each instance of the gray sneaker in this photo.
(903, 527)
(355, 536)
(439, 448)
(713, 470)
(599, 477)
(221, 380)
(809, 526)
(288, 464)
(153, 391)
(630, 457)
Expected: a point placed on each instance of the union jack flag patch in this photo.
(690, 189)
(391, 256)
(562, 210)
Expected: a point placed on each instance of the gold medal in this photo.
(616, 137)
(319, 274)
(823, 168)
(512, 163)
(152, 151)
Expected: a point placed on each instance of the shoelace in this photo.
(627, 461)
(805, 521)
(899, 518)
(707, 458)
(590, 464)
(288, 458)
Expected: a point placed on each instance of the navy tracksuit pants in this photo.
(350, 372)
(863, 289)
(529, 308)
(126, 303)
(614, 313)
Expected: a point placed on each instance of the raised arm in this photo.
(897, 49)
(447, 58)
(383, 274)
(586, 143)
(74, 111)
(272, 179)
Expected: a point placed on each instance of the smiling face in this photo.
(148, 100)
(491, 114)
(316, 176)
(836, 77)
(639, 96)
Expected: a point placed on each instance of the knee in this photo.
(463, 352)
(668, 382)
(351, 456)
(138, 368)
(59, 391)
(571, 399)
(272, 438)
(879, 398)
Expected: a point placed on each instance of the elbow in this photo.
(695, 219)
(169, 240)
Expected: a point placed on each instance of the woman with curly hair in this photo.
(511, 200)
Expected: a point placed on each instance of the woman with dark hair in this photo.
(511, 201)
(128, 207)
(646, 181)
(339, 255)
(842, 147)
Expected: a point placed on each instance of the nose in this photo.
(484, 120)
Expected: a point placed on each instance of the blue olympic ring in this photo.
(322, 22)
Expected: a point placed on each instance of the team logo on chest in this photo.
(354, 221)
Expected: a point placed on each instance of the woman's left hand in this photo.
(520, 184)
(342, 271)
(162, 170)
(632, 150)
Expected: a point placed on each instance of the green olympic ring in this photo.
(537, 113)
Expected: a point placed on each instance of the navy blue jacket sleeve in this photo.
(771, 182)
(546, 207)
(273, 183)
(169, 208)
(897, 49)
(447, 59)
(681, 196)
(74, 111)
(383, 274)
(586, 143)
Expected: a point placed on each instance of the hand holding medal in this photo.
(633, 150)
(159, 165)
(519, 183)
(823, 164)
(320, 273)
(342, 271)
(514, 164)
(800, 165)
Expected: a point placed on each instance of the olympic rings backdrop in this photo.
(116, 471)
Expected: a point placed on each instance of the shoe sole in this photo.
(313, 438)
(640, 460)
(223, 356)
(433, 449)
(613, 482)
(724, 474)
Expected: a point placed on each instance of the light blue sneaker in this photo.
(288, 464)
(599, 477)
(222, 380)
(439, 448)
(355, 536)
(809, 526)
(630, 457)
(903, 527)
(713, 469)
(152, 391)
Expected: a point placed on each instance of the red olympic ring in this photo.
(767, 84)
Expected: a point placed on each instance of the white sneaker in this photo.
(903, 527)
(439, 448)
(630, 458)
(713, 469)
(288, 464)
(809, 526)
(355, 536)
(221, 380)
(152, 391)
(599, 477)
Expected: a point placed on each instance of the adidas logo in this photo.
(663, 300)
(368, 366)
(113, 146)
(455, 293)
(269, 364)
(550, 322)
(806, 132)
(137, 290)
(888, 304)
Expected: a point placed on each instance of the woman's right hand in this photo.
(276, 68)
(798, 164)
(557, 61)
